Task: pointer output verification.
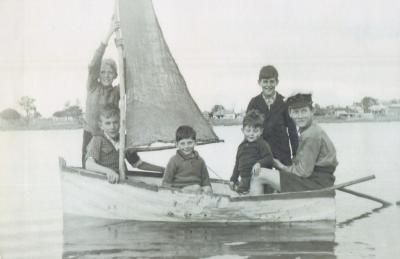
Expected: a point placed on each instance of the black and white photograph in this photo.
(210, 129)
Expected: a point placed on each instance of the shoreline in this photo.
(232, 122)
(73, 125)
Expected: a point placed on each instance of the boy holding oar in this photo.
(315, 160)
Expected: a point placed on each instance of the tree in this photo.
(73, 111)
(367, 102)
(28, 104)
(59, 114)
(10, 114)
(217, 107)
(318, 110)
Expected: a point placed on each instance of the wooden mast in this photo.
(122, 101)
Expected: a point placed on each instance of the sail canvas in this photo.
(157, 98)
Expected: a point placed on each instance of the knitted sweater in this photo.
(183, 170)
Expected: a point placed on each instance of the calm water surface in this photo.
(31, 222)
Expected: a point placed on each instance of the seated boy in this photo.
(186, 170)
(315, 160)
(252, 154)
(102, 152)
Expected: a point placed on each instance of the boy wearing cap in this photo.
(315, 160)
(100, 91)
(278, 126)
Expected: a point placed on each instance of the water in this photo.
(31, 224)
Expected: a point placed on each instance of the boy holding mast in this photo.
(100, 90)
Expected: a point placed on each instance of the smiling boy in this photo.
(103, 156)
(315, 160)
(186, 170)
(278, 127)
(252, 154)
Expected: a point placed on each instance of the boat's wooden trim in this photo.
(171, 146)
(324, 193)
(97, 175)
(327, 192)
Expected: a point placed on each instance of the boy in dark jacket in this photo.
(278, 127)
(252, 154)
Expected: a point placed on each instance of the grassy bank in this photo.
(39, 124)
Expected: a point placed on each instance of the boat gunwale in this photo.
(322, 193)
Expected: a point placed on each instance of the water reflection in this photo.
(348, 222)
(98, 238)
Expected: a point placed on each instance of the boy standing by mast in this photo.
(100, 90)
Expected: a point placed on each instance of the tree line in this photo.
(29, 108)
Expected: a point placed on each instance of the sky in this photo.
(339, 50)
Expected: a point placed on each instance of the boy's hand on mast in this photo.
(119, 42)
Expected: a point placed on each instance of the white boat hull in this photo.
(88, 196)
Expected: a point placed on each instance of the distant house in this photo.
(394, 110)
(341, 113)
(224, 114)
(378, 109)
(240, 115)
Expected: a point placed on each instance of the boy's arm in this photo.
(252, 105)
(267, 158)
(91, 164)
(235, 174)
(95, 63)
(134, 159)
(292, 132)
(169, 173)
(304, 163)
(205, 177)
(150, 167)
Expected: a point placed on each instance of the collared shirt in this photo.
(104, 153)
(115, 143)
(269, 100)
(315, 150)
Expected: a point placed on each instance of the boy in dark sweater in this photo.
(186, 170)
(252, 154)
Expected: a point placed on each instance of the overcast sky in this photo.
(340, 50)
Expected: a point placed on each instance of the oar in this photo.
(352, 182)
(366, 196)
(341, 187)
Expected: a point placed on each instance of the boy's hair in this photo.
(253, 118)
(268, 72)
(110, 62)
(109, 111)
(185, 131)
(299, 99)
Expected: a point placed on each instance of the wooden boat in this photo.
(140, 197)
(157, 103)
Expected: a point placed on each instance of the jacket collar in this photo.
(194, 155)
